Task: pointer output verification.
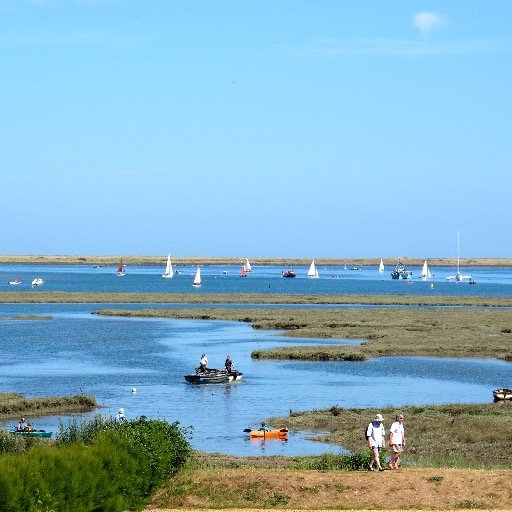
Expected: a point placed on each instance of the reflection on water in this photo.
(107, 357)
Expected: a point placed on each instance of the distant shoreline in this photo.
(98, 260)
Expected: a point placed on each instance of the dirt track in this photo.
(411, 489)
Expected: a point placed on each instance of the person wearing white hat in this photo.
(376, 438)
(121, 418)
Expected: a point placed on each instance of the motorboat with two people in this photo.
(400, 272)
(37, 281)
(24, 428)
(288, 273)
(205, 375)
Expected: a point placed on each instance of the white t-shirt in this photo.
(397, 433)
(376, 433)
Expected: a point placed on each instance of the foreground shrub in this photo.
(117, 469)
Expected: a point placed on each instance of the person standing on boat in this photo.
(397, 440)
(228, 364)
(204, 363)
(376, 438)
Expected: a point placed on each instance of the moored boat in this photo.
(31, 433)
(213, 376)
(15, 282)
(502, 394)
(400, 272)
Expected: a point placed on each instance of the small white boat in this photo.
(197, 278)
(120, 269)
(381, 266)
(313, 272)
(37, 281)
(247, 265)
(425, 271)
(15, 282)
(168, 269)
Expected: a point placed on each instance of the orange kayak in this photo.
(277, 433)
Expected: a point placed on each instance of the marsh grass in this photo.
(438, 332)
(455, 435)
(12, 405)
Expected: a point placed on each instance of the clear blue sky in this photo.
(270, 128)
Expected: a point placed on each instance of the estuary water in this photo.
(78, 352)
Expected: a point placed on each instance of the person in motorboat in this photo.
(203, 364)
(228, 365)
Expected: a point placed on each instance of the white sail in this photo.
(425, 271)
(197, 277)
(168, 269)
(313, 272)
(247, 265)
(381, 266)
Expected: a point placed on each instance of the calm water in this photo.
(105, 357)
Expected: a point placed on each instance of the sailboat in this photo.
(244, 271)
(247, 265)
(197, 278)
(381, 266)
(425, 271)
(313, 272)
(120, 271)
(168, 269)
(458, 276)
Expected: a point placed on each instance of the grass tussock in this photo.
(12, 405)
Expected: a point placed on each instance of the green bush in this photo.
(116, 469)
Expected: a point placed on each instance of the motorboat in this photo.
(400, 272)
(213, 376)
(37, 281)
(502, 394)
(289, 273)
(15, 282)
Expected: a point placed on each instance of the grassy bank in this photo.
(42, 297)
(454, 435)
(13, 405)
(254, 488)
(385, 332)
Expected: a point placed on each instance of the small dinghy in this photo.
(213, 376)
(279, 433)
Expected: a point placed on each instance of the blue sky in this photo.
(270, 128)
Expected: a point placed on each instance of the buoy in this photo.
(431, 285)
(134, 390)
